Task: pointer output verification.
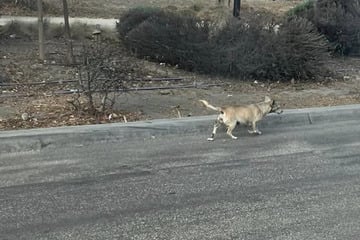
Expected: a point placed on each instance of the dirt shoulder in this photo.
(174, 98)
(31, 106)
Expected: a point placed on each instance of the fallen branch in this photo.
(74, 81)
(159, 79)
(6, 95)
(37, 83)
(71, 91)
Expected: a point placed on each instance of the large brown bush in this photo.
(296, 51)
(243, 49)
(134, 17)
(165, 36)
(338, 20)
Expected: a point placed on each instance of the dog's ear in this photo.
(267, 99)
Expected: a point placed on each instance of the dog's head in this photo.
(274, 107)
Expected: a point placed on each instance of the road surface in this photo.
(292, 182)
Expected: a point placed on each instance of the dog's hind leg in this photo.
(216, 126)
(230, 129)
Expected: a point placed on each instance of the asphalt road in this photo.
(300, 182)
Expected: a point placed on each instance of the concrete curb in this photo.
(36, 139)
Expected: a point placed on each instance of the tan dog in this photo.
(248, 114)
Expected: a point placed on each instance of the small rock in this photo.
(165, 92)
(346, 78)
(36, 66)
(96, 32)
(25, 116)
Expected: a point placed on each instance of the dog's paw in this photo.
(233, 137)
(255, 132)
(210, 139)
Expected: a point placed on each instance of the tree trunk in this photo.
(41, 30)
(70, 55)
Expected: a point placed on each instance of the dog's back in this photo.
(243, 114)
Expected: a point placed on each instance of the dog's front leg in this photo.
(254, 129)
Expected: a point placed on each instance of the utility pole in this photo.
(70, 55)
(41, 30)
(236, 10)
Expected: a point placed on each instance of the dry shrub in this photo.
(166, 36)
(105, 70)
(134, 17)
(338, 20)
(19, 30)
(251, 49)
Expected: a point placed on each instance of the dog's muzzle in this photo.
(276, 109)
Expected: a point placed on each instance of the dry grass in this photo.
(113, 8)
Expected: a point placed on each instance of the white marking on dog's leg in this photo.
(255, 130)
(216, 126)
(230, 129)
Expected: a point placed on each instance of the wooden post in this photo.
(236, 10)
(70, 55)
(41, 30)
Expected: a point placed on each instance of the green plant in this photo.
(303, 8)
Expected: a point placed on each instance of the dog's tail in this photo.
(208, 105)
